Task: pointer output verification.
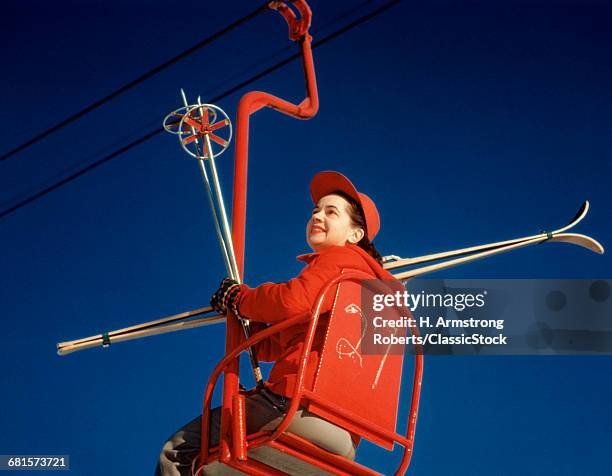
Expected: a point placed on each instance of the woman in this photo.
(340, 232)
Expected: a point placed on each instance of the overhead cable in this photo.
(135, 82)
(226, 93)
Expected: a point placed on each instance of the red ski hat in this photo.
(328, 182)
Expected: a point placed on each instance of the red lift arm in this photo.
(249, 104)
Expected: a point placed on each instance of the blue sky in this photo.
(466, 122)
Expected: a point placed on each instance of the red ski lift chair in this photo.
(357, 392)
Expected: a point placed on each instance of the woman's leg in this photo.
(322, 433)
(179, 451)
(264, 412)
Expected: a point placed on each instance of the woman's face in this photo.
(331, 225)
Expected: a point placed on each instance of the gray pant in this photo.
(264, 411)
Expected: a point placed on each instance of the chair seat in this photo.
(290, 454)
(273, 457)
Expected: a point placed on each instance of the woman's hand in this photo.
(226, 297)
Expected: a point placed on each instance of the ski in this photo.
(170, 324)
(403, 262)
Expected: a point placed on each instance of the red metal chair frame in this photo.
(288, 443)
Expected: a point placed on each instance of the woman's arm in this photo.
(274, 302)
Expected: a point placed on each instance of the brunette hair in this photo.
(358, 219)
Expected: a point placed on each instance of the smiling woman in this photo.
(341, 215)
(340, 232)
(331, 224)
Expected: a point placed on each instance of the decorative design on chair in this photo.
(344, 347)
(382, 364)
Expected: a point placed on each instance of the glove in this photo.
(226, 297)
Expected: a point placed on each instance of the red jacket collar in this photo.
(308, 257)
(374, 265)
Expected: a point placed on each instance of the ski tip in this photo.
(579, 240)
(597, 247)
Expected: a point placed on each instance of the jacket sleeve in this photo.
(272, 302)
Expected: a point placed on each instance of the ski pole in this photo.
(223, 232)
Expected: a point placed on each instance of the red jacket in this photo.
(271, 303)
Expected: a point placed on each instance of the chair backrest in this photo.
(355, 390)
